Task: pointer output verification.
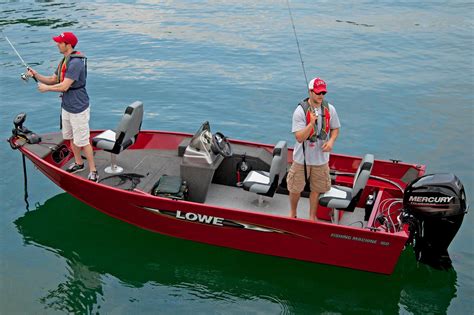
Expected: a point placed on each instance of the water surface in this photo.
(400, 74)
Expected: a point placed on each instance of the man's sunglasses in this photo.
(320, 93)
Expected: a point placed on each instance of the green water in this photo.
(106, 261)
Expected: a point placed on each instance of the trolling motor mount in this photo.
(22, 132)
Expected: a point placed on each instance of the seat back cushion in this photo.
(129, 127)
(279, 162)
(362, 174)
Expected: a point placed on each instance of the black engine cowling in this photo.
(435, 206)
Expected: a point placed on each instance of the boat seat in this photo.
(266, 183)
(124, 136)
(346, 198)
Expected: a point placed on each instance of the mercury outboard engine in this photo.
(434, 206)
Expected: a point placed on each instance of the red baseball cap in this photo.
(66, 37)
(317, 85)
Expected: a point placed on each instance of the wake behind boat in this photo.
(207, 188)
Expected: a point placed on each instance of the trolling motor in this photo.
(434, 207)
(22, 132)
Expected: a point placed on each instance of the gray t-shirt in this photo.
(75, 100)
(314, 153)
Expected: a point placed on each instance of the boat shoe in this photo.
(74, 168)
(93, 176)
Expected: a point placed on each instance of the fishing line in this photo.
(297, 42)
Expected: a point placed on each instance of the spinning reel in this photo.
(26, 77)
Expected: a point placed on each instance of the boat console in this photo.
(202, 156)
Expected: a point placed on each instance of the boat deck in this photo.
(152, 164)
(279, 204)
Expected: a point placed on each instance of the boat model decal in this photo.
(359, 239)
(212, 220)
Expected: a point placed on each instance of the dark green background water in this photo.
(400, 74)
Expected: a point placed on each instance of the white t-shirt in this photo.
(314, 153)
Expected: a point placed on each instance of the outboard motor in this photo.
(434, 206)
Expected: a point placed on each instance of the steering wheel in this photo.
(220, 145)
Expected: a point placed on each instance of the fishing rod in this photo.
(301, 57)
(24, 76)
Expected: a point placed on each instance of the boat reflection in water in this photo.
(97, 247)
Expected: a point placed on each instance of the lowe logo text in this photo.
(201, 218)
(430, 199)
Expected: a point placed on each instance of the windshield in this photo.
(203, 134)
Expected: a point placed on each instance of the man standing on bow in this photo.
(316, 127)
(69, 79)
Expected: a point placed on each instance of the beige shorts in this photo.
(319, 178)
(76, 127)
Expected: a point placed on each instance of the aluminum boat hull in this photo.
(258, 232)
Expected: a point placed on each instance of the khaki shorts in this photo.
(319, 178)
(76, 127)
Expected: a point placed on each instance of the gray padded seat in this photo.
(266, 183)
(124, 136)
(346, 198)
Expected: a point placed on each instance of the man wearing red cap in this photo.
(69, 79)
(316, 127)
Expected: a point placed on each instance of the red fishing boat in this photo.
(206, 188)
